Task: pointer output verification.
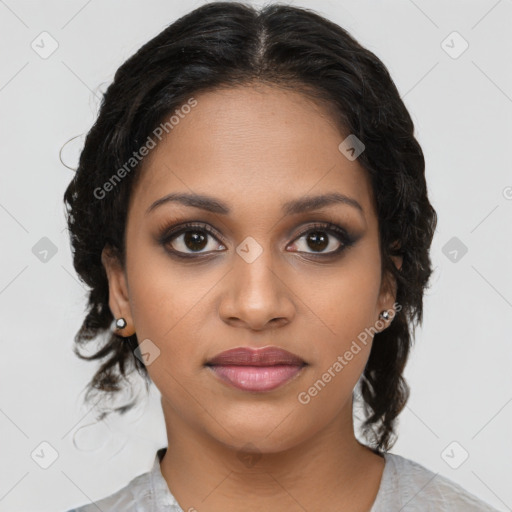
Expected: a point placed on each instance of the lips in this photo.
(256, 369)
(245, 356)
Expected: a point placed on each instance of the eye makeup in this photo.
(173, 233)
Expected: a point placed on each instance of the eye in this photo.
(194, 239)
(191, 237)
(323, 239)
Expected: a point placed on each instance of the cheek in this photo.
(164, 302)
(163, 293)
(341, 351)
(344, 301)
(345, 315)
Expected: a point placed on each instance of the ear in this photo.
(118, 297)
(387, 296)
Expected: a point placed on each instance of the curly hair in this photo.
(226, 44)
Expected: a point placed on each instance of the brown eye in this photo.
(194, 240)
(317, 240)
(322, 239)
(189, 239)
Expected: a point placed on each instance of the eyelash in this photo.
(169, 233)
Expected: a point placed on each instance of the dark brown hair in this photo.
(223, 44)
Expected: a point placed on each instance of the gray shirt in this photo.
(406, 486)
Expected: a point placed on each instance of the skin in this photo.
(254, 148)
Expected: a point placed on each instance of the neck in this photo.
(331, 465)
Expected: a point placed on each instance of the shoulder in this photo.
(408, 486)
(126, 498)
(144, 493)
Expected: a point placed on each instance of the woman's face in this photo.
(271, 272)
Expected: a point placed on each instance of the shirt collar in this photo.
(163, 500)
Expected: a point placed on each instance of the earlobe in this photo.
(388, 295)
(118, 297)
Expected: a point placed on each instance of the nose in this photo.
(256, 296)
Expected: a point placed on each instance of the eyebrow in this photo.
(300, 205)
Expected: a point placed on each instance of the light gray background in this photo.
(459, 370)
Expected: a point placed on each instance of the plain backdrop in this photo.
(459, 372)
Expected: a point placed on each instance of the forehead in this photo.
(253, 144)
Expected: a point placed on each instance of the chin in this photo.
(271, 435)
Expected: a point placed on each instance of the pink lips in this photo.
(256, 369)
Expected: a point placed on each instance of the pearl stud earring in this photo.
(120, 323)
(385, 315)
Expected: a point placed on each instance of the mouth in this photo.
(257, 370)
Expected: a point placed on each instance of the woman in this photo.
(250, 212)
